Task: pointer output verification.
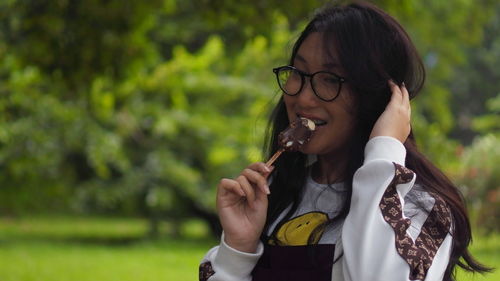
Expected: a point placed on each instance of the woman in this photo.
(358, 201)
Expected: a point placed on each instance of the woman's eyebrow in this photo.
(300, 58)
(331, 65)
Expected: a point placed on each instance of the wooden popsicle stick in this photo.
(274, 157)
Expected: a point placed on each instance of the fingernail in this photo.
(266, 187)
(404, 85)
(267, 168)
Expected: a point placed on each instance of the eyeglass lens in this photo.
(325, 85)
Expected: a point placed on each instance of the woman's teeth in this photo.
(319, 122)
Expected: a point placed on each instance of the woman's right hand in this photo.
(242, 207)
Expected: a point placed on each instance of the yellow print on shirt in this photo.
(296, 232)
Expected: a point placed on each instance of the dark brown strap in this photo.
(295, 263)
(206, 271)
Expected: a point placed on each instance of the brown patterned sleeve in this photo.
(418, 254)
(206, 271)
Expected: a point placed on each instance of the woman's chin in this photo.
(307, 149)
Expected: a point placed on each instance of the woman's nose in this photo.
(306, 95)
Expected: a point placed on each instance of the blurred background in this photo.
(119, 117)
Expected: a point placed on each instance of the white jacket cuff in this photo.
(233, 263)
(385, 148)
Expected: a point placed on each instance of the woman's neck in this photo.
(329, 169)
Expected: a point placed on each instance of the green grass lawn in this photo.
(78, 249)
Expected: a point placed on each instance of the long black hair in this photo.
(371, 47)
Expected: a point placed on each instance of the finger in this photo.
(261, 168)
(232, 186)
(406, 100)
(406, 94)
(257, 179)
(248, 189)
(396, 95)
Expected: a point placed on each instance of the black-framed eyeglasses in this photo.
(325, 85)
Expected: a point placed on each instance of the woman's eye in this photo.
(295, 75)
(331, 80)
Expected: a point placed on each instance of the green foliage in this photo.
(446, 34)
(476, 81)
(77, 41)
(478, 176)
(489, 122)
(234, 21)
(478, 173)
(146, 143)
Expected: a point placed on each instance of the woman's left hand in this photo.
(395, 120)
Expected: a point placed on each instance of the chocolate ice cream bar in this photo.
(292, 138)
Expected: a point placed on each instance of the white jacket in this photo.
(382, 238)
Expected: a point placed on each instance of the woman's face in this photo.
(336, 119)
